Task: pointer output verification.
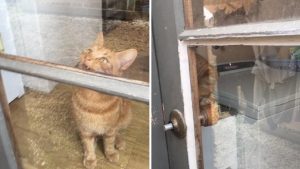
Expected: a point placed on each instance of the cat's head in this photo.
(97, 58)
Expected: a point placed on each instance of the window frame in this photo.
(285, 33)
(130, 89)
(267, 33)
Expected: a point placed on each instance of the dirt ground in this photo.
(47, 137)
(132, 35)
(46, 134)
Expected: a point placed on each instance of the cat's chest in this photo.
(96, 103)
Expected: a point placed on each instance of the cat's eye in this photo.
(103, 59)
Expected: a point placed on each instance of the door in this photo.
(167, 23)
(159, 151)
(232, 70)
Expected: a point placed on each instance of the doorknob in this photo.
(177, 124)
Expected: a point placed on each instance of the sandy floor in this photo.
(47, 137)
(132, 35)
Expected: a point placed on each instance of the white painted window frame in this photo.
(283, 33)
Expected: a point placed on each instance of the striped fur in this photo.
(98, 114)
(207, 80)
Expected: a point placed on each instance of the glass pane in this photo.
(231, 12)
(61, 31)
(47, 126)
(254, 90)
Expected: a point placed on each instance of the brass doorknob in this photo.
(177, 124)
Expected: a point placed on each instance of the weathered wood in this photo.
(252, 30)
(6, 130)
(193, 15)
(249, 41)
(198, 117)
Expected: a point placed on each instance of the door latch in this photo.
(177, 124)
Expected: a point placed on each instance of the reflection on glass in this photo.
(258, 93)
(230, 12)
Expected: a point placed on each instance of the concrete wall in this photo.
(12, 82)
(54, 31)
(87, 8)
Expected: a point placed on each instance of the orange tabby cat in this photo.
(97, 113)
(207, 80)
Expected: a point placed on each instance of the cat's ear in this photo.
(126, 58)
(99, 41)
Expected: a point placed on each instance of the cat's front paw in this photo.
(114, 157)
(90, 163)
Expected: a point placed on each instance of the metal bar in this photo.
(8, 151)
(131, 89)
(243, 31)
(168, 126)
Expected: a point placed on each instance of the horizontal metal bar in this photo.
(241, 34)
(131, 89)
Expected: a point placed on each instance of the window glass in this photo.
(61, 31)
(70, 33)
(254, 92)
